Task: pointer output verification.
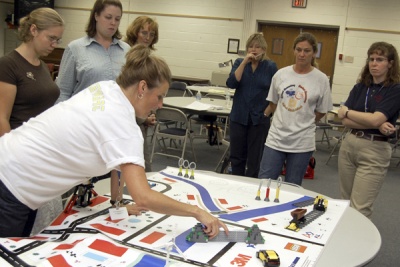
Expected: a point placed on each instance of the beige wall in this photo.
(5, 6)
(379, 16)
(194, 33)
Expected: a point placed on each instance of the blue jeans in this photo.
(273, 160)
(16, 218)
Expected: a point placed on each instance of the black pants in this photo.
(247, 145)
(16, 218)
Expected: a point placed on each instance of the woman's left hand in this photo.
(134, 209)
(387, 128)
(150, 120)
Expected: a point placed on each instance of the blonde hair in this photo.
(142, 65)
(43, 18)
(259, 39)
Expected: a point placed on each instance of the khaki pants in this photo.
(363, 165)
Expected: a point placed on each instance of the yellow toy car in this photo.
(269, 258)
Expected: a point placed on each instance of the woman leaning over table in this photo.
(300, 96)
(99, 126)
(370, 112)
(27, 88)
(251, 77)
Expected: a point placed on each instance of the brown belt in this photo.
(371, 137)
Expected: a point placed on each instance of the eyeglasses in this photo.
(54, 39)
(148, 34)
(377, 59)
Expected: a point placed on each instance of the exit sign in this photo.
(299, 3)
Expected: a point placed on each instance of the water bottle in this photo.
(198, 96)
(229, 169)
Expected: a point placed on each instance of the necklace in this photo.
(367, 97)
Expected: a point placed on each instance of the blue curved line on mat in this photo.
(180, 241)
(205, 196)
(149, 260)
(247, 214)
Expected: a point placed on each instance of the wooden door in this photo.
(280, 43)
(280, 40)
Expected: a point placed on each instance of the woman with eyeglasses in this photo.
(143, 30)
(26, 86)
(96, 57)
(370, 113)
(299, 97)
(97, 133)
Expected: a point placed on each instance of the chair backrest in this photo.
(171, 114)
(177, 89)
(218, 78)
(201, 84)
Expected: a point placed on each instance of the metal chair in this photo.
(174, 133)
(339, 126)
(178, 89)
(224, 161)
(325, 127)
(221, 119)
(395, 142)
(211, 123)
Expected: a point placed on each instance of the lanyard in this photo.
(367, 98)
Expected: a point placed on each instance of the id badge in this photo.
(118, 213)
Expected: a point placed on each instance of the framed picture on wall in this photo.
(319, 50)
(277, 46)
(233, 46)
(299, 3)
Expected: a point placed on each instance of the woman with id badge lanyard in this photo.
(370, 112)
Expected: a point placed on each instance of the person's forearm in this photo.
(4, 127)
(270, 109)
(239, 70)
(319, 116)
(365, 120)
(369, 120)
(354, 125)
